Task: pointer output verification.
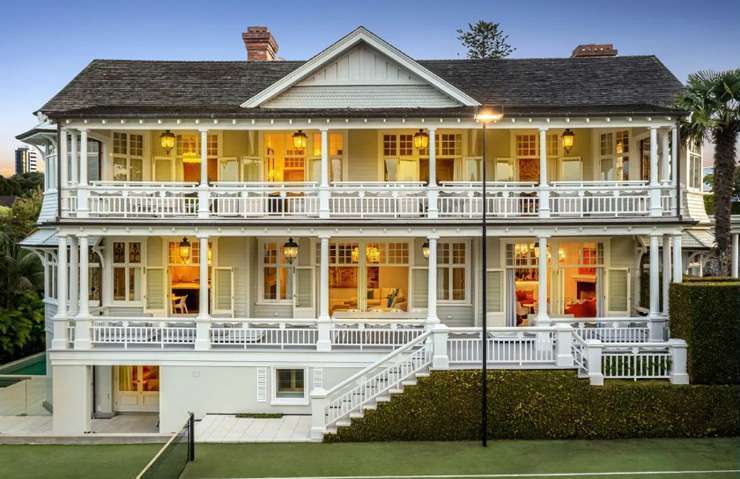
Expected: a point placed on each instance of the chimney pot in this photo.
(260, 44)
(594, 50)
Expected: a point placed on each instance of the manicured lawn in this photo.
(373, 459)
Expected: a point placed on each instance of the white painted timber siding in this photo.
(225, 390)
(232, 253)
(362, 159)
(48, 211)
(694, 202)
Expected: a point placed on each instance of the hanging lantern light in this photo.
(290, 250)
(299, 139)
(421, 139)
(167, 141)
(569, 139)
(425, 249)
(372, 253)
(184, 250)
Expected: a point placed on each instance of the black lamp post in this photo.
(485, 116)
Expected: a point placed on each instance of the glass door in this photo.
(137, 388)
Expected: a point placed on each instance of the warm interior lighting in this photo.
(184, 250)
(569, 139)
(421, 139)
(299, 139)
(290, 250)
(425, 249)
(488, 114)
(210, 254)
(372, 253)
(190, 157)
(167, 141)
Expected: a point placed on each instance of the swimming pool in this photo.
(33, 365)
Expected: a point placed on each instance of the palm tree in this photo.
(713, 98)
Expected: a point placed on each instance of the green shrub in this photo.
(707, 316)
(709, 279)
(546, 405)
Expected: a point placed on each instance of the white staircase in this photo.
(375, 384)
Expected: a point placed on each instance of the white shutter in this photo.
(304, 294)
(223, 290)
(420, 285)
(318, 378)
(154, 299)
(618, 291)
(261, 384)
(494, 291)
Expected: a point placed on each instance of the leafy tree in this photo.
(21, 185)
(713, 98)
(485, 40)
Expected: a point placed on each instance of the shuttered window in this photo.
(618, 290)
(494, 291)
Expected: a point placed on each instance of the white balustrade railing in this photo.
(625, 329)
(264, 199)
(374, 333)
(143, 199)
(264, 333)
(506, 345)
(503, 199)
(125, 332)
(646, 361)
(378, 200)
(605, 198)
(378, 379)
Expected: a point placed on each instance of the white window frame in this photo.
(127, 156)
(449, 266)
(694, 157)
(561, 164)
(127, 265)
(275, 400)
(261, 300)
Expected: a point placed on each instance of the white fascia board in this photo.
(344, 44)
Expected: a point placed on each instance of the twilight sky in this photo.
(47, 42)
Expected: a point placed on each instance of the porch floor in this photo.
(230, 428)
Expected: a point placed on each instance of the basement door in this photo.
(136, 389)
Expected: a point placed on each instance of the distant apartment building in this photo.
(25, 160)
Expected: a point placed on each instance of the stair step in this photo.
(356, 414)
(422, 375)
(343, 422)
(371, 406)
(395, 391)
(409, 382)
(331, 430)
(382, 399)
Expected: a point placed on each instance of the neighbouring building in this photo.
(25, 161)
(304, 237)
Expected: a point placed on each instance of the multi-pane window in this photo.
(289, 383)
(275, 270)
(695, 166)
(405, 145)
(606, 150)
(398, 253)
(390, 145)
(526, 146)
(128, 156)
(553, 146)
(622, 140)
(451, 272)
(186, 144)
(449, 144)
(127, 268)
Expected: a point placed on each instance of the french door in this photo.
(136, 388)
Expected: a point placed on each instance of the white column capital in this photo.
(544, 129)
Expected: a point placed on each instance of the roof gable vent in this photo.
(594, 50)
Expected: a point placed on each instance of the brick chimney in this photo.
(260, 44)
(594, 50)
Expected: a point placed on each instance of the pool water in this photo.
(34, 365)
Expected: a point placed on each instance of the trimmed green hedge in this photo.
(546, 405)
(709, 279)
(707, 316)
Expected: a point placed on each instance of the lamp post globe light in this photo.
(484, 116)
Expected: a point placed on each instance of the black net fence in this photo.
(170, 461)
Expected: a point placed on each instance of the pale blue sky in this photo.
(46, 42)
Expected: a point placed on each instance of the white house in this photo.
(256, 236)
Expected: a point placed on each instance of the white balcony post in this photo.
(665, 158)
(667, 271)
(674, 159)
(60, 319)
(62, 158)
(324, 322)
(432, 317)
(655, 208)
(543, 319)
(324, 185)
(440, 358)
(564, 344)
(677, 259)
(543, 191)
(203, 206)
(594, 350)
(432, 190)
(73, 158)
(656, 321)
(83, 320)
(83, 209)
(74, 263)
(318, 414)
(679, 357)
(735, 251)
(203, 321)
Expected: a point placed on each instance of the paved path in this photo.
(121, 425)
(24, 397)
(230, 428)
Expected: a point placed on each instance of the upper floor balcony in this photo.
(384, 174)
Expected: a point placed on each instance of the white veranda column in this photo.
(62, 161)
(203, 206)
(656, 323)
(74, 157)
(665, 155)
(677, 259)
(542, 317)
(60, 319)
(82, 187)
(544, 193)
(674, 156)
(74, 262)
(324, 341)
(203, 325)
(432, 192)
(667, 272)
(432, 316)
(324, 184)
(655, 209)
(82, 321)
(735, 252)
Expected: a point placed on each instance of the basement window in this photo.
(289, 386)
